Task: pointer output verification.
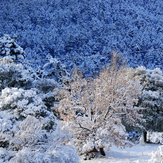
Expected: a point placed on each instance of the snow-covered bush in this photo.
(22, 102)
(62, 154)
(28, 131)
(151, 97)
(94, 109)
(157, 157)
(155, 137)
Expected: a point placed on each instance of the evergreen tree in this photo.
(29, 131)
(8, 47)
(151, 97)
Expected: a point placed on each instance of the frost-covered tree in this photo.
(50, 76)
(8, 47)
(29, 131)
(14, 75)
(94, 109)
(151, 97)
(15, 72)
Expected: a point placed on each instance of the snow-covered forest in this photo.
(71, 30)
(79, 79)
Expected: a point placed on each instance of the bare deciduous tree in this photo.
(93, 109)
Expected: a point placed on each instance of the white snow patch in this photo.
(136, 154)
(155, 137)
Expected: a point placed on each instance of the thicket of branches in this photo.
(94, 109)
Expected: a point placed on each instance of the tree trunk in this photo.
(145, 136)
(90, 155)
(102, 151)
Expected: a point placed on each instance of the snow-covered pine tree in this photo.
(151, 97)
(93, 109)
(55, 70)
(29, 131)
(15, 74)
(8, 47)
(50, 76)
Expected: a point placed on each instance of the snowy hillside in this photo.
(57, 103)
(71, 29)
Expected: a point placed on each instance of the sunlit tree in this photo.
(93, 109)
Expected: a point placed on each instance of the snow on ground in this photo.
(140, 153)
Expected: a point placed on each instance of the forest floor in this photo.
(139, 153)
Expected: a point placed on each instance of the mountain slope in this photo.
(72, 30)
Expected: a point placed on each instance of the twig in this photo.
(84, 127)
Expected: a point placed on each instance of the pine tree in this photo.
(151, 97)
(8, 47)
(29, 131)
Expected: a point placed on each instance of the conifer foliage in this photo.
(93, 109)
(77, 29)
(29, 131)
(9, 47)
(151, 97)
